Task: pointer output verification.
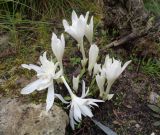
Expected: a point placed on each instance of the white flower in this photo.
(89, 31)
(93, 54)
(79, 105)
(97, 68)
(75, 82)
(113, 69)
(77, 29)
(45, 74)
(58, 46)
(100, 82)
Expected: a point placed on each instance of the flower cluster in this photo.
(49, 71)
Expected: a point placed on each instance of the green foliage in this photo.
(156, 114)
(36, 19)
(152, 6)
(75, 61)
(151, 67)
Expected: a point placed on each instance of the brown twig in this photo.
(123, 40)
(133, 35)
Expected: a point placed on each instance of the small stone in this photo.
(137, 126)
(17, 118)
(153, 98)
(2, 81)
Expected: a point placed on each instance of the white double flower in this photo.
(78, 30)
(79, 105)
(58, 46)
(111, 70)
(46, 73)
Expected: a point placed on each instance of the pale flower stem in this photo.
(82, 72)
(101, 93)
(108, 88)
(67, 86)
(61, 66)
(82, 50)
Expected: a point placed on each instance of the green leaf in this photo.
(67, 98)
(105, 129)
(157, 123)
(154, 108)
(155, 115)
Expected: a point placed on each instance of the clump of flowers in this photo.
(49, 72)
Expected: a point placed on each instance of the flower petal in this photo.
(126, 64)
(74, 17)
(72, 122)
(66, 25)
(31, 87)
(97, 69)
(86, 16)
(50, 97)
(100, 82)
(63, 40)
(93, 54)
(83, 89)
(44, 84)
(77, 113)
(58, 74)
(32, 66)
(61, 98)
(75, 82)
(89, 31)
(86, 111)
(110, 96)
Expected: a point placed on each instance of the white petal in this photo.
(100, 82)
(44, 61)
(77, 113)
(93, 54)
(75, 82)
(71, 115)
(86, 16)
(50, 97)
(31, 87)
(58, 74)
(61, 98)
(110, 96)
(80, 30)
(95, 100)
(62, 40)
(126, 64)
(86, 111)
(32, 66)
(83, 62)
(45, 83)
(58, 47)
(97, 69)
(109, 85)
(83, 89)
(92, 104)
(89, 31)
(66, 25)
(87, 92)
(74, 17)
(54, 36)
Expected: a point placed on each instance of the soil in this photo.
(127, 113)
